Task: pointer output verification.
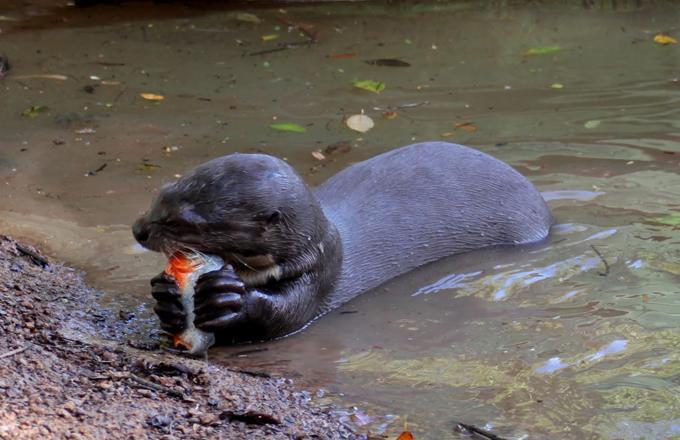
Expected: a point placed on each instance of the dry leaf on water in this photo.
(544, 50)
(406, 435)
(467, 126)
(664, 39)
(318, 155)
(360, 123)
(152, 96)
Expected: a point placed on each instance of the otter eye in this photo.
(274, 217)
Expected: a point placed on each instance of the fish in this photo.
(186, 268)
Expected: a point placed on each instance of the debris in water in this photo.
(556, 86)
(406, 435)
(479, 433)
(388, 62)
(664, 39)
(269, 37)
(360, 123)
(592, 124)
(147, 167)
(247, 17)
(466, 126)
(46, 76)
(318, 155)
(4, 66)
(86, 130)
(152, 96)
(34, 111)
(671, 220)
(287, 126)
(544, 50)
(94, 173)
(338, 148)
(389, 115)
(370, 85)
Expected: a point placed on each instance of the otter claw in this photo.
(218, 324)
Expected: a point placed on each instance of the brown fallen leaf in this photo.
(406, 435)
(338, 147)
(389, 115)
(318, 155)
(467, 126)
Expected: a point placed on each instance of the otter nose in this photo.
(140, 231)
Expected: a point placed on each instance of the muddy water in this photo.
(575, 338)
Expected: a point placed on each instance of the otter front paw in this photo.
(219, 303)
(168, 306)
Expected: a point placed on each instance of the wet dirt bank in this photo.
(64, 373)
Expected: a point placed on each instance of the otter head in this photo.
(253, 210)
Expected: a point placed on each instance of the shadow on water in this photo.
(573, 338)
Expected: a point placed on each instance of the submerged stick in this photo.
(606, 265)
(155, 387)
(464, 428)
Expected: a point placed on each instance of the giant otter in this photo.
(293, 254)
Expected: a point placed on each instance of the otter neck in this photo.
(319, 253)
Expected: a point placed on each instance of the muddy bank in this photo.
(56, 383)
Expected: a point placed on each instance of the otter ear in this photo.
(188, 214)
(274, 217)
(269, 219)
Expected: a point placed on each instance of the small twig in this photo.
(35, 257)
(13, 352)
(606, 265)
(477, 432)
(155, 387)
(281, 47)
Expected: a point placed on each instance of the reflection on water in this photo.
(573, 338)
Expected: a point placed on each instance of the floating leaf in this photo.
(360, 123)
(544, 50)
(34, 111)
(152, 96)
(556, 86)
(286, 126)
(664, 39)
(43, 76)
(389, 115)
(406, 435)
(269, 37)
(388, 62)
(370, 85)
(592, 124)
(671, 220)
(467, 126)
(318, 155)
(247, 17)
(86, 130)
(147, 167)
